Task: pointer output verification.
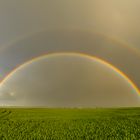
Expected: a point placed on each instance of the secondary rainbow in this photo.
(113, 39)
(117, 71)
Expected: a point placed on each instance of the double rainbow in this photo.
(116, 70)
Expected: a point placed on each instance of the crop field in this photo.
(69, 124)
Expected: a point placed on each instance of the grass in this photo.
(69, 124)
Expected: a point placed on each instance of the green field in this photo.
(69, 124)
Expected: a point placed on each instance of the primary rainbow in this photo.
(117, 71)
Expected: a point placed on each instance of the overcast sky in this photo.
(30, 28)
(118, 18)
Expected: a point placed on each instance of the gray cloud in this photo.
(114, 18)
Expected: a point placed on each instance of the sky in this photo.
(108, 30)
(68, 80)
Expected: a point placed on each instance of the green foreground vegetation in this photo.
(69, 124)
